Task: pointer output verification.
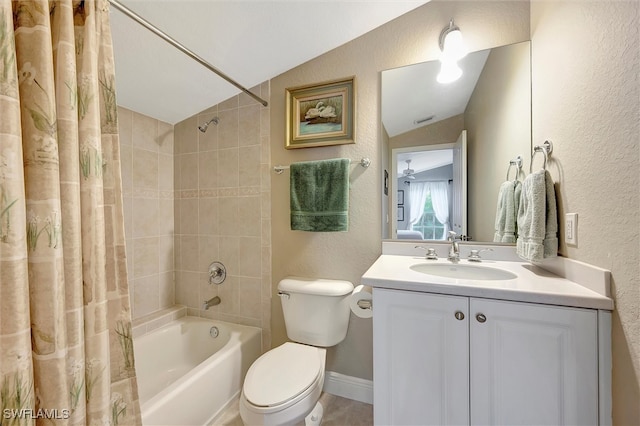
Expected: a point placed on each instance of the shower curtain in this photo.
(66, 350)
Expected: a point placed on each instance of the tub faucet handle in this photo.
(217, 273)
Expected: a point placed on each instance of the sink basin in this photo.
(464, 272)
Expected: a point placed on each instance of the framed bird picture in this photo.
(320, 114)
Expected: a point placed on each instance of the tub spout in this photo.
(211, 302)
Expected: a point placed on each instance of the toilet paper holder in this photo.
(365, 304)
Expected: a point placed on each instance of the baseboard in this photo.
(348, 387)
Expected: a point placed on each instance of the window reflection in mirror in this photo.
(492, 102)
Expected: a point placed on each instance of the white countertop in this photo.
(533, 284)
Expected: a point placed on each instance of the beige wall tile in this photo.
(126, 167)
(249, 297)
(249, 125)
(145, 257)
(187, 288)
(189, 171)
(230, 103)
(249, 166)
(166, 289)
(165, 254)
(208, 251)
(186, 136)
(165, 138)
(145, 217)
(145, 169)
(189, 216)
(165, 172)
(127, 208)
(222, 210)
(228, 172)
(249, 221)
(249, 257)
(208, 141)
(228, 129)
(166, 218)
(125, 126)
(189, 253)
(208, 216)
(228, 219)
(144, 132)
(207, 291)
(145, 295)
(229, 295)
(208, 170)
(229, 249)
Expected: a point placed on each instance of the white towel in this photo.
(507, 212)
(537, 218)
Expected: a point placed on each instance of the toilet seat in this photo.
(282, 376)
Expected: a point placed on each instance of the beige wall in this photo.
(409, 39)
(586, 99)
(222, 211)
(146, 153)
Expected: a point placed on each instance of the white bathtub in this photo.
(185, 376)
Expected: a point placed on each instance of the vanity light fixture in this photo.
(452, 49)
(449, 72)
(451, 43)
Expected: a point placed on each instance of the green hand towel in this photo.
(319, 193)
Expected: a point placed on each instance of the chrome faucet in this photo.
(211, 302)
(454, 250)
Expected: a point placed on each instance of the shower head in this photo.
(203, 128)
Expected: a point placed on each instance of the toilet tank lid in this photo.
(317, 286)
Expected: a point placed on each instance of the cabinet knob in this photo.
(459, 316)
(481, 318)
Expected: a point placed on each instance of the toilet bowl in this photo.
(283, 386)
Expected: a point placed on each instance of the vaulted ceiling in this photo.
(250, 41)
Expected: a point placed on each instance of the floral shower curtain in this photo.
(65, 325)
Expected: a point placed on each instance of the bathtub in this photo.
(186, 376)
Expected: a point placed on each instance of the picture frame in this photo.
(400, 197)
(320, 114)
(401, 213)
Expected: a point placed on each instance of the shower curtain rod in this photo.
(140, 20)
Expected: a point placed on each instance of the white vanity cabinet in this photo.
(442, 360)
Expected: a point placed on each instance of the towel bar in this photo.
(364, 162)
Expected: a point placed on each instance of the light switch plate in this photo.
(571, 228)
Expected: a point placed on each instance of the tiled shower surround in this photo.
(196, 198)
(146, 150)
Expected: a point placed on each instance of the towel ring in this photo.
(517, 163)
(546, 148)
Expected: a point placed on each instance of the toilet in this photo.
(283, 386)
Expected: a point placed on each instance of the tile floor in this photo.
(337, 412)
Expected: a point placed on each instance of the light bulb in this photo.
(449, 72)
(453, 46)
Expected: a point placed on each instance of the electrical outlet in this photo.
(571, 228)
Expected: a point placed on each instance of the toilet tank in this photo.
(316, 311)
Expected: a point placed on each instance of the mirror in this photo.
(421, 119)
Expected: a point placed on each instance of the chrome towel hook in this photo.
(546, 148)
(517, 163)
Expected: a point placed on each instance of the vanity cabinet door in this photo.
(533, 364)
(420, 358)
